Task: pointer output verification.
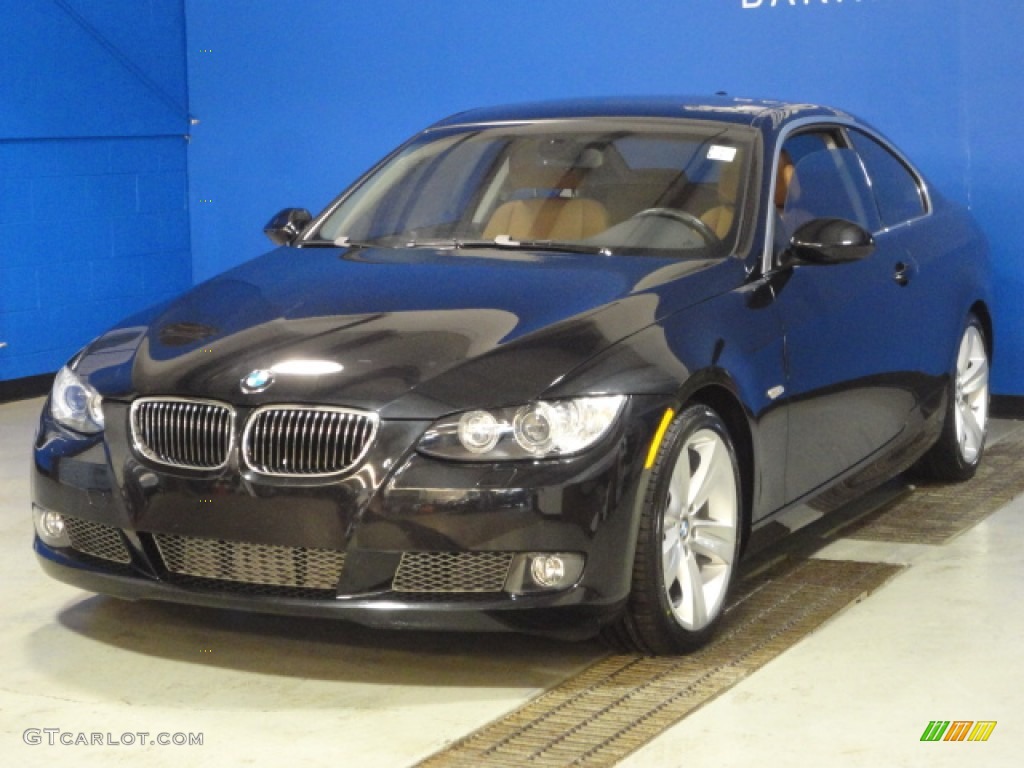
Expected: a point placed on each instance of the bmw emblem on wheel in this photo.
(257, 381)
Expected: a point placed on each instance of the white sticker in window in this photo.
(725, 154)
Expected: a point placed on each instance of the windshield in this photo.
(604, 186)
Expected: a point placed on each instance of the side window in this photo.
(827, 183)
(896, 189)
(803, 144)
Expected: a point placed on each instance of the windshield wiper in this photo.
(345, 242)
(341, 242)
(504, 241)
(394, 241)
(501, 241)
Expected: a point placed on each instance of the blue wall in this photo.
(296, 97)
(292, 111)
(93, 185)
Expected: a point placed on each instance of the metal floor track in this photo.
(935, 514)
(619, 703)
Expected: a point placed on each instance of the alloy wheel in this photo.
(972, 394)
(699, 530)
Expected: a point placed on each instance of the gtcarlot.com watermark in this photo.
(53, 737)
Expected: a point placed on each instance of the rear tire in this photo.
(688, 541)
(958, 451)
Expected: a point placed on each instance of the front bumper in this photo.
(404, 542)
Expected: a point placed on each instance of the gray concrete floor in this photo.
(940, 641)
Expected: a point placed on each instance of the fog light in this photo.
(50, 527)
(543, 571)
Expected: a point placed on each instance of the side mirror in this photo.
(287, 225)
(830, 241)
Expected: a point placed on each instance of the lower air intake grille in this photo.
(246, 563)
(97, 540)
(452, 572)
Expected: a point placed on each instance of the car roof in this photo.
(764, 113)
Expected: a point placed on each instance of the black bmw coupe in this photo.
(546, 367)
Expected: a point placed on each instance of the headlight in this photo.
(540, 430)
(75, 404)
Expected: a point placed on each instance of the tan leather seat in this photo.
(784, 179)
(548, 208)
(721, 217)
(552, 218)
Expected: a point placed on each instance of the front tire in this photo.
(958, 451)
(688, 541)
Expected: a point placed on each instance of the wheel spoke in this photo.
(714, 540)
(671, 554)
(673, 509)
(977, 344)
(695, 590)
(975, 379)
(703, 482)
(679, 490)
(963, 356)
(973, 432)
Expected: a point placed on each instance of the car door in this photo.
(849, 344)
(904, 208)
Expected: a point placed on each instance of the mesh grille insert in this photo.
(237, 561)
(306, 440)
(101, 541)
(193, 434)
(452, 572)
(249, 590)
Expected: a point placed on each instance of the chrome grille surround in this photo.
(100, 541)
(247, 563)
(189, 433)
(453, 572)
(306, 440)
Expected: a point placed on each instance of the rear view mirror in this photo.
(830, 241)
(287, 225)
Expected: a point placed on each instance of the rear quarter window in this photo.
(896, 189)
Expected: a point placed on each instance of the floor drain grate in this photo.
(934, 514)
(621, 702)
(618, 704)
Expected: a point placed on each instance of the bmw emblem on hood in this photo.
(257, 381)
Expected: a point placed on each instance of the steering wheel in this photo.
(691, 221)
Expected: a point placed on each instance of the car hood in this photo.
(411, 333)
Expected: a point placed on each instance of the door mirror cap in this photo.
(829, 241)
(287, 225)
